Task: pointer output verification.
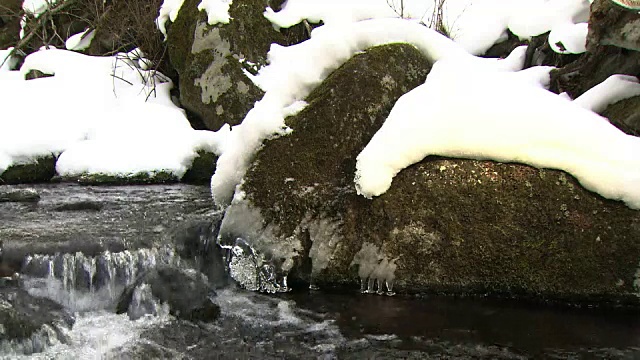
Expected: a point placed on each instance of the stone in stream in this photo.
(195, 242)
(19, 195)
(30, 324)
(186, 293)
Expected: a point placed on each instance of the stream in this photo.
(80, 246)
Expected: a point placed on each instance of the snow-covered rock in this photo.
(445, 225)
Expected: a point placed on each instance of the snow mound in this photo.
(101, 114)
(467, 110)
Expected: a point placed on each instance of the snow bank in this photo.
(217, 11)
(475, 24)
(294, 71)
(102, 114)
(467, 110)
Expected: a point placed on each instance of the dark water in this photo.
(297, 325)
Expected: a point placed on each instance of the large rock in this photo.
(187, 294)
(304, 174)
(211, 60)
(28, 324)
(457, 226)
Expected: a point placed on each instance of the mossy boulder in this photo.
(304, 173)
(41, 169)
(446, 225)
(211, 60)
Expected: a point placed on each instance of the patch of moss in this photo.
(42, 169)
(202, 168)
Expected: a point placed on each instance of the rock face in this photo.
(211, 60)
(612, 25)
(28, 324)
(304, 177)
(613, 42)
(186, 293)
(457, 226)
(625, 115)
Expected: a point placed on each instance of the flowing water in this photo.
(128, 234)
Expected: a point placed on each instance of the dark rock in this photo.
(196, 241)
(19, 195)
(41, 169)
(186, 292)
(84, 205)
(504, 48)
(625, 115)
(592, 68)
(210, 61)
(613, 25)
(343, 114)
(540, 53)
(456, 226)
(29, 324)
(36, 74)
(202, 168)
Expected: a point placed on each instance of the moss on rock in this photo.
(448, 225)
(42, 169)
(202, 168)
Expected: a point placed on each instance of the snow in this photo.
(494, 123)
(80, 41)
(7, 62)
(615, 88)
(217, 11)
(38, 7)
(168, 11)
(101, 114)
(475, 24)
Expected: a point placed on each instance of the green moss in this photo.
(202, 168)
(41, 169)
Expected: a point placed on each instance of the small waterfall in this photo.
(82, 283)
